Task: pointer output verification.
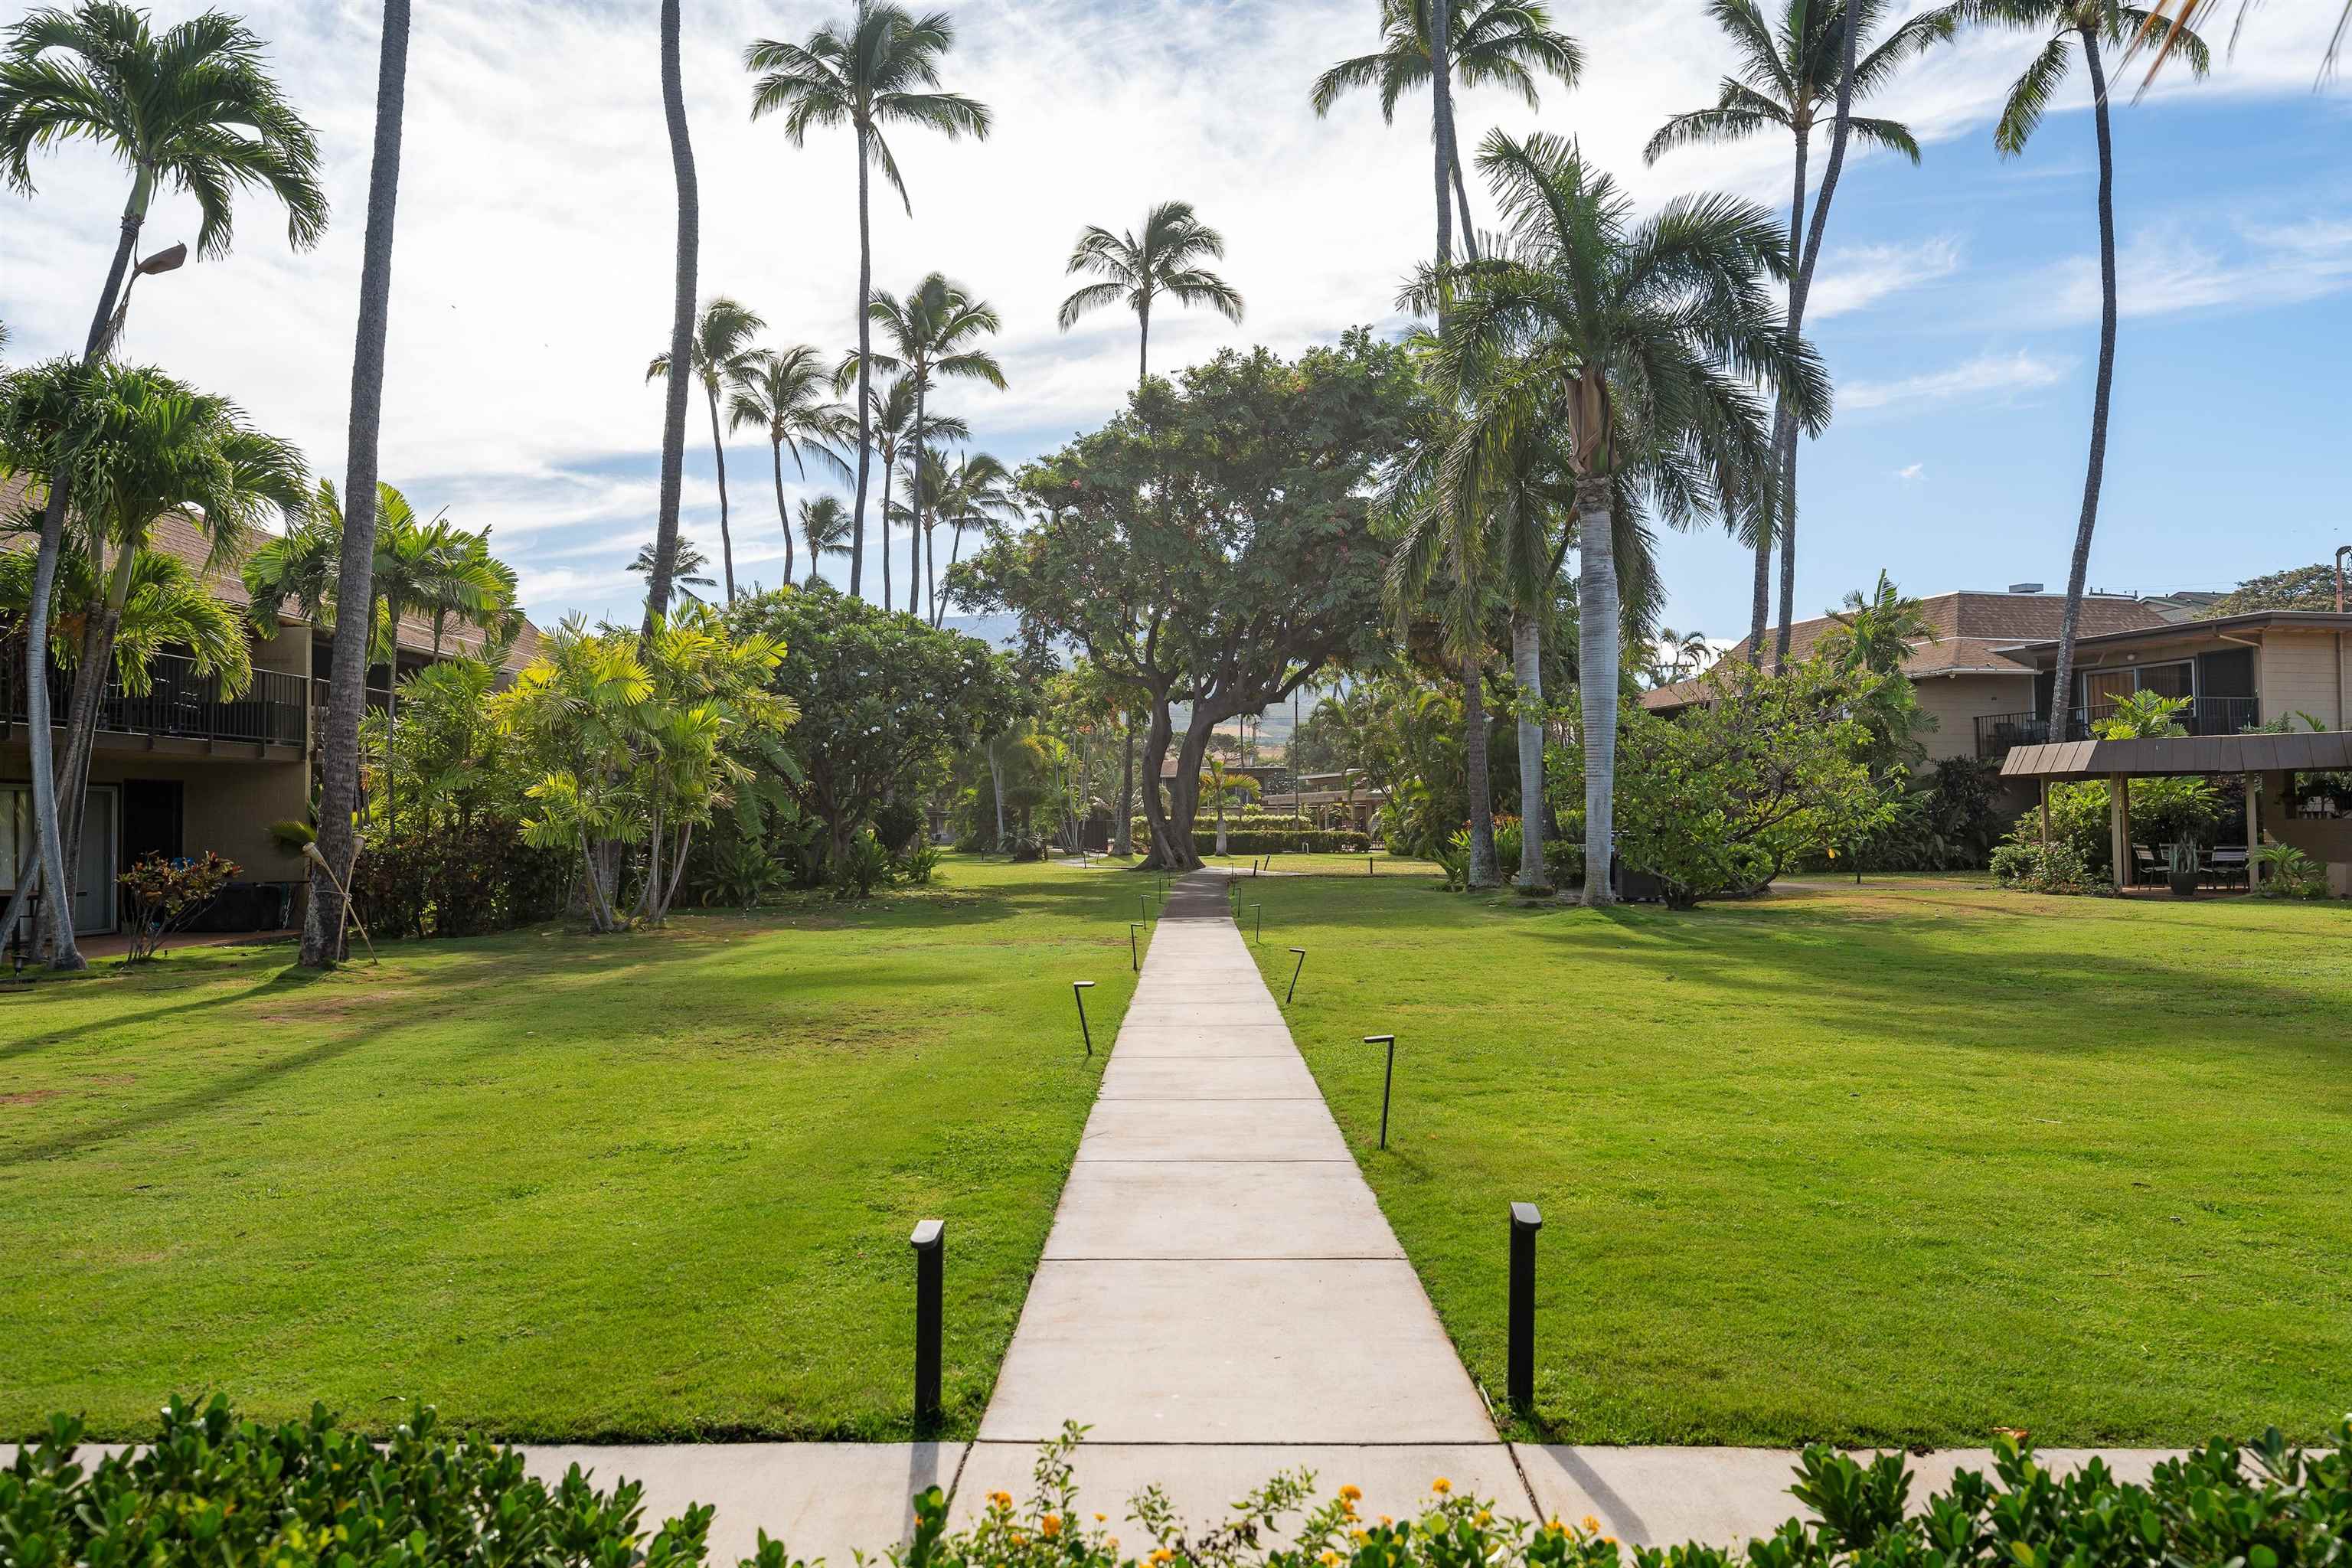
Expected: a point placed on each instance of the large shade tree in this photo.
(722, 357)
(1217, 543)
(191, 110)
(2090, 28)
(879, 70)
(1164, 257)
(1642, 339)
(1788, 78)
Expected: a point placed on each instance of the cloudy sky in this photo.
(1958, 308)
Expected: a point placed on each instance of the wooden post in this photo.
(2253, 831)
(2045, 813)
(2119, 828)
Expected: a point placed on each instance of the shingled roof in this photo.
(178, 535)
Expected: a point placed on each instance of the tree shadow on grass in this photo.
(290, 980)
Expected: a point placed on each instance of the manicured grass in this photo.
(1893, 1164)
(635, 1187)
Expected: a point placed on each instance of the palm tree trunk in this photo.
(1483, 869)
(49, 848)
(1801, 285)
(887, 592)
(726, 536)
(1440, 109)
(323, 926)
(1597, 617)
(1125, 840)
(1527, 665)
(930, 576)
(2062, 685)
(1143, 343)
(90, 675)
(1777, 499)
(1462, 196)
(865, 382)
(783, 516)
(996, 789)
(915, 502)
(681, 325)
(955, 549)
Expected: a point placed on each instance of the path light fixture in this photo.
(1369, 869)
(1078, 988)
(929, 1242)
(1294, 975)
(1521, 1384)
(1387, 1080)
(1133, 959)
(1143, 906)
(1260, 921)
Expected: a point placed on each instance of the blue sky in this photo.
(1957, 306)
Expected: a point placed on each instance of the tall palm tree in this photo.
(1877, 629)
(824, 524)
(977, 489)
(930, 332)
(339, 770)
(686, 262)
(1638, 339)
(686, 575)
(1787, 76)
(192, 109)
(1164, 258)
(897, 433)
(2168, 18)
(2067, 26)
(721, 356)
(1499, 43)
(782, 392)
(868, 74)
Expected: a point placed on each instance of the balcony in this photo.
(1997, 733)
(179, 704)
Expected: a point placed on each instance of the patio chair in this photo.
(2229, 867)
(2149, 869)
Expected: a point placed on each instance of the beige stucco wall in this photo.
(225, 805)
(2302, 672)
(1954, 701)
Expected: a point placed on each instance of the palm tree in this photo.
(782, 392)
(825, 524)
(192, 109)
(339, 770)
(2168, 18)
(1499, 43)
(868, 74)
(169, 609)
(166, 449)
(929, 330)
(2068, 25)
(978, 489)
(897, 433)
(1136, 269)
(1787, 76)
(1638, 340)
(686, 572)
(1876, 630)
(721, 356)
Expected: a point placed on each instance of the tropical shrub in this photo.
(1947, 818)
(740, 873)
(2286, 872)
(861, 866)
(308, 1494)
(2163, 811)
(2060, 867)
(165, 895)
(898, 823)
(1023, 850)
(1239, 841)
(918, 865)
(447, 878)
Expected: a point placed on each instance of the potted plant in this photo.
(2181, 858)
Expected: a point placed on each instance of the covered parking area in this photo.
(2267, 763)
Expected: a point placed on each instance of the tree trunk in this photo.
(784, 516)
(955, 549)
(1483, 872)
(90, 675)
(1778, 499)
(1440, 109)
(1462, 198)
(1143, 343)
(1221, 812)
(2061, 686)
(323, 927)
(1801, 284)
(996, 788)
(914, 503)
(1184, 789)
(865, 375)
(1125, 826)
(726, 534)
(1165, 854)
(1597, 609)
(1526, 665)
(681, 323)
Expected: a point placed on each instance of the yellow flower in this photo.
(1100, 1517)
(1555, 1526)
(1441, 1486)
(1358, 1536)
(1112, 1544)
(1351, 1493)
(1485, 1517)
(1019, 1539)
(1162, 1557)
(999, 1500)
(1050, 1526)
(1591, 1525)
(1330, 1558)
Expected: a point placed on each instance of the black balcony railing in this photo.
(179, 703)
(1998, 732)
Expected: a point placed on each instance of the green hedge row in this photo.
(1254, 840)
(213, 1491)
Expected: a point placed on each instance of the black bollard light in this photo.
(1260, 921)
(1525, 1222)
(1368, 869)
(929, 1242)
(1387, 1080)
(1134, 960)
(1078, 988)
(1294, 975)
(1143, 906)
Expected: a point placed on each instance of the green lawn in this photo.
(1894, 1163)
(635, 1187)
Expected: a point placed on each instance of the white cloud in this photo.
(1985, 376)
(533, 262)
(2222, 264)
(1856, 278)
(1910, 471)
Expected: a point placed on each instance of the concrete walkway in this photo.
(1220, 1298)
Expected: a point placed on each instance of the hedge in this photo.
(1252, 840)
(211, 1490)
